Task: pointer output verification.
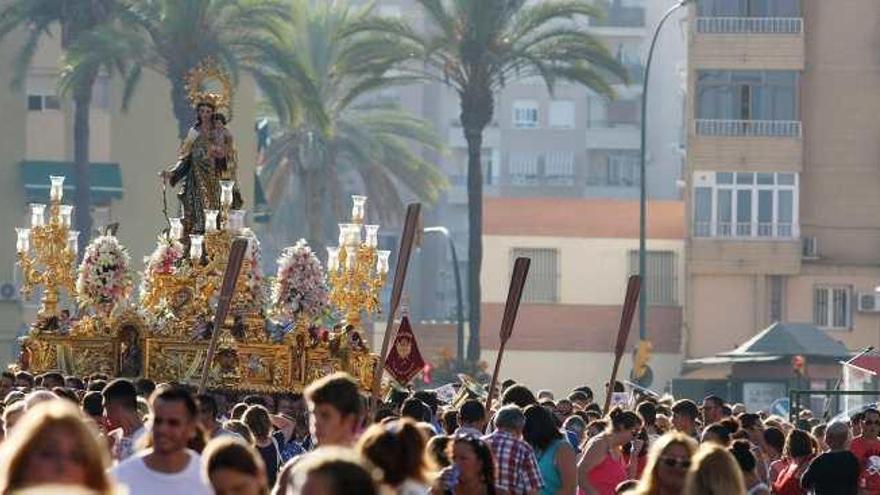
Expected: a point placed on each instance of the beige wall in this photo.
(12, 145)
(724, 312)
(563, 371)
(593, 271)
(744, 154)
(717, 256)
(722, 51)
(799, 299)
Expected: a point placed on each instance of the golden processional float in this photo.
(281, 332)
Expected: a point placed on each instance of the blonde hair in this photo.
(649, 484)
(38, 422)
(714, 472)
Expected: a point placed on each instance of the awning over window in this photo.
(106, 180)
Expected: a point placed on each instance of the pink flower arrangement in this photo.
(300, 285)
(104, 276)
(164, 259)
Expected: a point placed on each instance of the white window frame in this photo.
(829, 320)
(559, 168)
(526, 114)
(42, 86)
(561, 114)
(753, 229)
(522, 168)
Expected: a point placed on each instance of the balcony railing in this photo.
(750, 25)
(747, 230)
(748, 128)
(617, 16)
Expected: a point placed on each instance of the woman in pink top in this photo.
(602, 467)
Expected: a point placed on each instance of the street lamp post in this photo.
(458, 295)
(643, 299)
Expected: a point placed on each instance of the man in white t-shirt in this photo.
(120, 407)
(169, 467)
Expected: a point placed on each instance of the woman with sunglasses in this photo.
(667, 466)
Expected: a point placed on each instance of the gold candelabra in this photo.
(52, 261)
(356, 269)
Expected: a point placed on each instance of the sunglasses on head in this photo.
(675, 462)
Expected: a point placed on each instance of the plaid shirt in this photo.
(516, 467)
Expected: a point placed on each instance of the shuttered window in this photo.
(542, 285)
(661, 284)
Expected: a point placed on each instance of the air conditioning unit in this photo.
(9, 292)
(810, 248)
(869, 303)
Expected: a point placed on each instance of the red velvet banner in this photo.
(404, 360)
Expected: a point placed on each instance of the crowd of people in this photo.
(64, 434)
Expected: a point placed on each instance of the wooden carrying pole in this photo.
(230, 276)
(410, 227)
(514, 295)
(633, 287)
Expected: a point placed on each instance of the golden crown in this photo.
(196, 80)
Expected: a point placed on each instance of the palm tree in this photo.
(476, 48)
(330, 128)
(76, 18)
(171, 37)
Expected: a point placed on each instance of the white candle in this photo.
(195, 247)
(357, 208)
(176, 231)
(382, 262)
(37, 214)
(23, 241)
(235, 222)
(211, 220)
(56, 190)
(226, 193)
(332, 258)
(372, 235)
(66, 212)
(73, 241)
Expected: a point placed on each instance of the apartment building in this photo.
(783, 178)
(571, 306)
(127, 150)
(571, 144)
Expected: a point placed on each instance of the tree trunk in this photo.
(315, 197)
(476, 113)
(82, 99)
(183, 111)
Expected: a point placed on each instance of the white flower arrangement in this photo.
(300, 285)
(254, 277)
(104, 275)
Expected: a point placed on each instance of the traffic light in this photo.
(798, 365)
(640, 361)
